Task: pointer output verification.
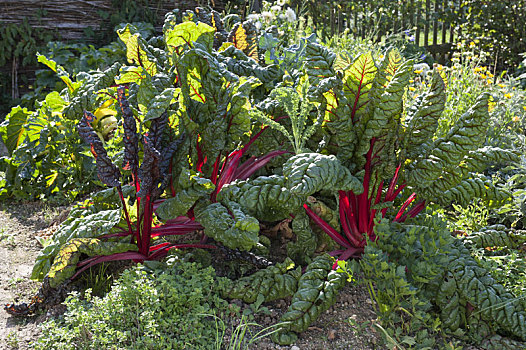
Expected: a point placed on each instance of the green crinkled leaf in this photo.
(319, 62)
(496, 236)
(238, 112)
(85, 97)
(317, 290)
(467, 134)
(330, 216)
(490, 300)
(82, 226)
(449, 302)
(228, 224)
(160, 103)
(264, 197)
(383, 124)
(422, 118)
(12, 129)
(130, 74)
(306, 240)
(274, 282)
(308, 173)
(476, 187)
(193, 188)
(242, 65)
(65, 263)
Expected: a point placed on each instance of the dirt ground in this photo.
(347, 325)
(19, 225)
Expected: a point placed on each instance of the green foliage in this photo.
(159, 308)
(228, 224)
(496, 236)
(275, 282)
(65, 263)
(265, 197)
(440, 270)
(81, 223)
(306, 240)
(297, 108)
(192, 188)
(317, 290)
(46, 159)
(308, 173)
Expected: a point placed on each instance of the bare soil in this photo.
(19, 225)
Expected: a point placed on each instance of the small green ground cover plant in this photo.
(214, 140)
(155, 306)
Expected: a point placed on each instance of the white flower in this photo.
(290, 14)
(281, 2)
(254, 17)
(267, 16)
(275, 8)
(258, 25)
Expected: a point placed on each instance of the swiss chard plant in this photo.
(392, 149)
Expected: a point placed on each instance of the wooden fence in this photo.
(426, 22)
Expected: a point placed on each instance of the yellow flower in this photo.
(411, 81)
(516, 119)
(472, 44)
(381, 57)
(502, 86)
(508, 95)
(440, 67)
(418, 71)
(524, 107)
(490, 75)
(483, 76)
(489, 81)
(412, 88)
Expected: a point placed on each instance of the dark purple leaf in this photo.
(131, 139)
(157, 129)
(108, 172)
(149, 172)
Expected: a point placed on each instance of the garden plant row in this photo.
(203, 135)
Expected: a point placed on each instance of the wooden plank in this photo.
(332, 21)
(435, 22)
(340, 20)
(428, 20)
(412, 13)
(444, 24)
(418, 22)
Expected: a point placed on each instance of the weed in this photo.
(12, 341)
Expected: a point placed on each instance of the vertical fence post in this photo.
(426, 27)
(435, 22)
(418, 23)
(340, 20)
(444, 24)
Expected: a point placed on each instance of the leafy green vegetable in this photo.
(193, 188)
(91, 225)
(65, 264)
(264, 197)
(228, 224)
(317, 290)
(274, 282)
